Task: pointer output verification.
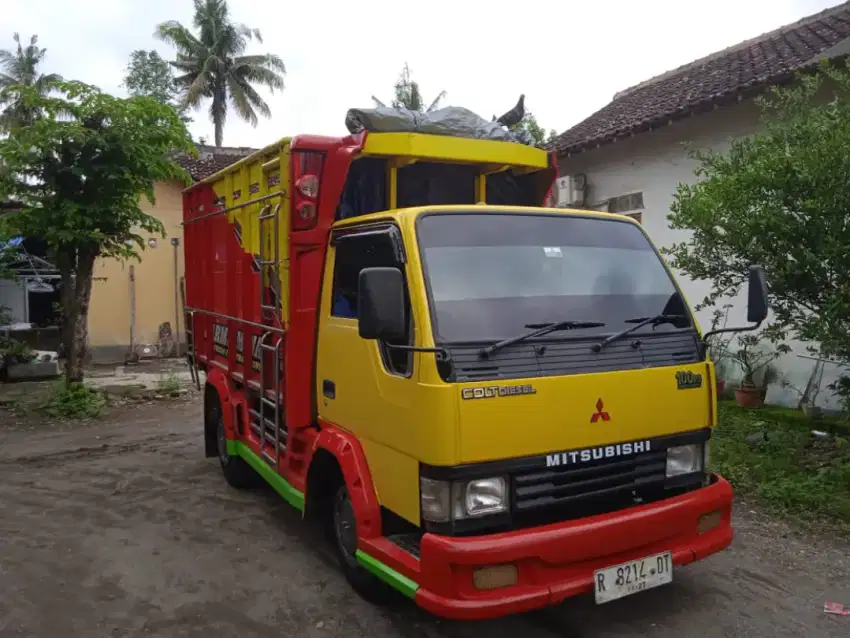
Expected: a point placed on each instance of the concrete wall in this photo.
(13, 296)
(109, 316)
(654, 163)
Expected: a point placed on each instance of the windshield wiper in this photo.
(544, 329)
(639, 322)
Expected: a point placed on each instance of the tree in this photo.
(148, 74)
(780, 198)
(213, 66)
(21, 68)
(80, 179)
(533, 129)
(408, 96)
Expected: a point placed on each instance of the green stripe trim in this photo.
(278, 483)
(387, 574)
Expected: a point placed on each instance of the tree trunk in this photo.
(218, 111)
(65, 262)
(219, 133)
(77, 316)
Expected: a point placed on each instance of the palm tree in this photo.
(213, 66)
(20, 68)
(408, 96)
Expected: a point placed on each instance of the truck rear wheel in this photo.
(343, 525)
(236, 471)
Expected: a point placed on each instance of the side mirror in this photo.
(380, 304)
(757, 295)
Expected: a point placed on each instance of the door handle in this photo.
(329, 388)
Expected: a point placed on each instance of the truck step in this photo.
(409, 542)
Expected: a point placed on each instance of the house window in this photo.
(626, 204)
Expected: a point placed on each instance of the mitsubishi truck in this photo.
(488, 402)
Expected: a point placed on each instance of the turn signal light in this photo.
(307, 169)
(308, 186)
(495, 577)
(708, 522)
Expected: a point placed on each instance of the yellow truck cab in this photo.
(506, 404)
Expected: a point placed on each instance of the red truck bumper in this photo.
(557, 561)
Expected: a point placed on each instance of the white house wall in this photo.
(13, 297)
(654, 163)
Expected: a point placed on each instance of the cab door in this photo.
(364, 386)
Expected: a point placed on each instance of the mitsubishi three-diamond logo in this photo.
(600, 413)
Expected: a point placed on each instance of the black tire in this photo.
(343, 532)
(236, 471)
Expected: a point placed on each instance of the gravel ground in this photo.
(123, 529)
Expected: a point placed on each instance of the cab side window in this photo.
(353, 254)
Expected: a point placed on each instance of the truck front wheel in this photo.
(344, 536)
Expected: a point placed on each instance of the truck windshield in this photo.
(492, 275)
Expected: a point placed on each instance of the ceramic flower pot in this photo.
(749, 397)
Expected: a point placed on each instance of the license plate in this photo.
(629, 578)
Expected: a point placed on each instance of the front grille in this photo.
(564, 493)
(573, 484)
(553, 357)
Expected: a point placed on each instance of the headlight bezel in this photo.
(449, 501)
(685, 460)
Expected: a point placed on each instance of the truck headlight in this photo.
(685, 459)
(444, 501)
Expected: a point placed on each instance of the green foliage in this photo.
(780, 198)
(533, 129)
(212, 66)
(168, 384)
(10, 348)
(19, 68)
(407, 95)
(149, 75)
(791, 472)
(8, 255)
(841, 388)
(80, 177)
(74, 401)
(756, 359)
(720, 344)
(14, 349)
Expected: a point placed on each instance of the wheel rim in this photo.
(345, 527)
(221, 437)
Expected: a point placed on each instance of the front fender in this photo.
(348, 452)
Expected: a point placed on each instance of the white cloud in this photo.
(568, 58)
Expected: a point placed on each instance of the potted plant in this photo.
(757, 370)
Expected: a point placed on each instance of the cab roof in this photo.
(403, 214)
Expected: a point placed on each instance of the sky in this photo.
(568, 58)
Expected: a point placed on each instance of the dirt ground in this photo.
(124, 529)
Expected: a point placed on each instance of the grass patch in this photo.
(791, 472)
(169, 385)
(74, 401)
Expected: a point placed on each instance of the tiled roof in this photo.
(742, 70)
(211, 160)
